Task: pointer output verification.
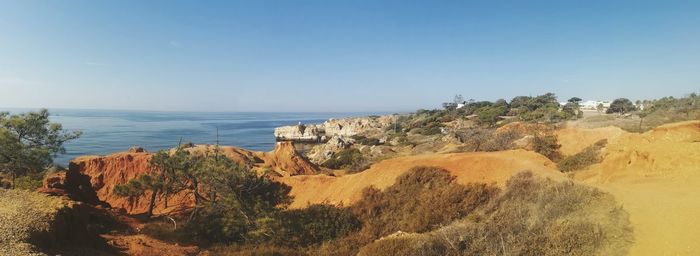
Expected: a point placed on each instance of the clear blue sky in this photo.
(340, 55)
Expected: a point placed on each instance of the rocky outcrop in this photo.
(92, 179)
(322, 152)
(301, 133)
(334, 127)
(106, 172)
(353, 126)
(72, 184)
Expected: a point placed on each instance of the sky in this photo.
(340, 56)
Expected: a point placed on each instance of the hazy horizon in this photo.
(319, 56)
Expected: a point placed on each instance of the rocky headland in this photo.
(345, 127)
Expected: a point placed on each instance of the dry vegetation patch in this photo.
(23, 214)
(534, 216)
(587, 157)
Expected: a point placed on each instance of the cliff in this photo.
(92, 178)
(333, 127)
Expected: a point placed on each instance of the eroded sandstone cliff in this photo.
(92, 178)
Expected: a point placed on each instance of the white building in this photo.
(593, 104)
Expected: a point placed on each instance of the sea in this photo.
(109, 131)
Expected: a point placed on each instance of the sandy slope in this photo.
(486, 167)
(656, 177)
(573, 140)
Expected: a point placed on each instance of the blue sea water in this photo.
(108, 131)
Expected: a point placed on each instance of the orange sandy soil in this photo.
(130, 241)
(656, 178)
(573, 140)
(484, 167)
(146, 246)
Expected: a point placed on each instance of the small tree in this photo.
(167, 178)
(575, 100)
(235, 201)
(644, 113)
(139, 187)
(489, 115)
(29, 141)
(621, 106)
(475, 138)
(600, 108)
(574, 106)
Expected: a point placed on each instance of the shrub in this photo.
(500, 141)
(366, 141)
(29, 182)
(343, 159)
(547, 145)
(421, 199)
(534, 216)
(588, 156)
(314, 224)
(489, 115)
(435, 130)
(410, 244)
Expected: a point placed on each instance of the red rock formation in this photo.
(286, 161)
(92, 178)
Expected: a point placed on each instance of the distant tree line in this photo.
(526, 108)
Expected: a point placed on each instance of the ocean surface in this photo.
(109, 131)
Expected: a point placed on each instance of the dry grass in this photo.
(533, 217)
(422, 199)
(23, 213)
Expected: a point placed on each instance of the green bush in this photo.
(314, 224)
(621, 106)
(489, 115)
